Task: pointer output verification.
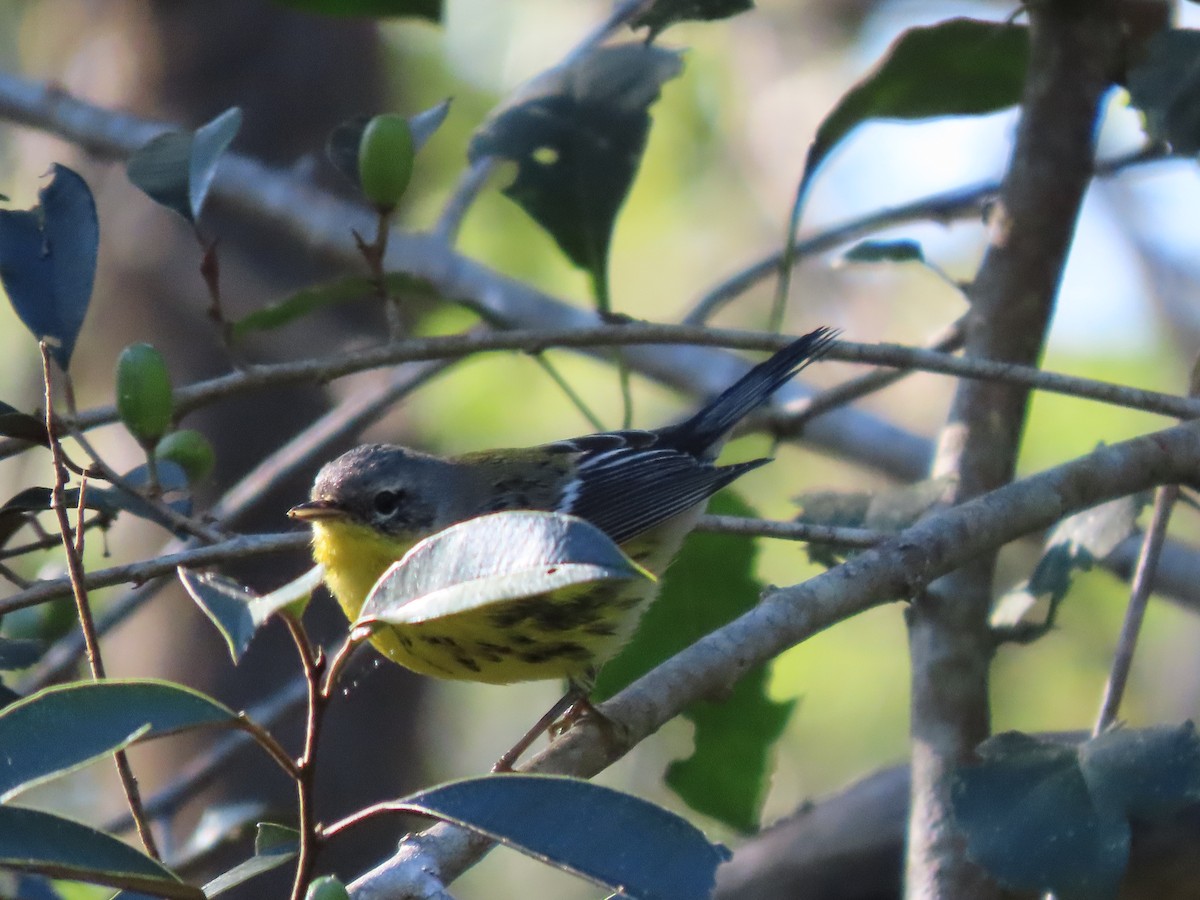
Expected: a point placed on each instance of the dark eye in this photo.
(387, 502)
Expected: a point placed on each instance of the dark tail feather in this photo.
(749, 392)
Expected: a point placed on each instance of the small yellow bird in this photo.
(644, 489)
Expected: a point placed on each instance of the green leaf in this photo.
(48, 261)
(613, 839)
(270, 852)
(577, 134)
(419, 9)
(1165, 86)
(61, 728)
(493, 559)
(1073, 546)
(710, 583)
(1046, 816)
(959, 67)
(306, 301)
(664, 13)
(35, 841)
(237, 611)
(885, 251)
(176, 169)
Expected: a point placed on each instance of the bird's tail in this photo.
(715, 420)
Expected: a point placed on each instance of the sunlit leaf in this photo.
(493, 559)
(269, 853)
(237, 611)
(48, 261)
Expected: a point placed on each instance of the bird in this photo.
(644, 489)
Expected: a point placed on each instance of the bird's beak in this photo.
(315, 509)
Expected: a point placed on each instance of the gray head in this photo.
(390, 488)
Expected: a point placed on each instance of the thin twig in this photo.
(1139, 597)
(312, 662)
(792, 531)
(325, 369)
(143, 570)
(72, 551)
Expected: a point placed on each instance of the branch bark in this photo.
(1073, 52)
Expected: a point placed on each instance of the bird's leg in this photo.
(568, 702)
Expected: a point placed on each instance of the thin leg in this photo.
(568, 702)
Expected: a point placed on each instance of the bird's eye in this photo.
(387, 502)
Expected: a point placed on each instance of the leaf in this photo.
(1165, 86)
(959, 67)
(270, 852)
(61, 728)
(613, 839)
(35, 841)
(885, 251)
(22, 426)
(493, 559)
(1046, 816)
(1074, 545)
(176, 169)
(19, 653)
(344, 290)
(237, 611)
(577, 134)
(342, 146)
(710, 583)
(420, 9)
(663, 13)
(48, 261)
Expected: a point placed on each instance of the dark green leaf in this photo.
(419, 9)
(61, 728)
(22, 426)
(577, 135)
(239, 612)
(710, 583)
(959, 67)
(35, 841)
(493, 559)
(885, 251)
(1047, 816)
(1030, 821)
(1165, 86)
(176, 169)
(1149, 774)
(342, 146)
(19, 653)
(664, 13)
(48, 261)
(611, 838)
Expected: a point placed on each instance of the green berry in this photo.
(144, 393)
(327, 887)
(191, 451)
(385, 160)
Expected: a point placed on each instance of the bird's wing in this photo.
(625, 484)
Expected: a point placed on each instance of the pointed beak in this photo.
(316, 509)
